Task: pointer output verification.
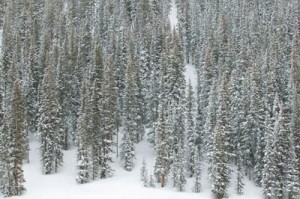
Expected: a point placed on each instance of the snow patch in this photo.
(191, 75)
(173, 15)
(123, 184)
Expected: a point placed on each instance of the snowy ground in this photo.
(191, 75)
(123, 185)
(173, 15)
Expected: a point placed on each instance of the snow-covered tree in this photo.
(162, 159)
(197, 185)
(191, 133)
(109, 110)
(18, 121)
(239, 172)
(130, 116)
(83, 153)
(220, 170)
(144, 173)
(11, 161)
(49, 127)
(151, 181)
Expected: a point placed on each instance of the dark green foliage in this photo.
(50, 126)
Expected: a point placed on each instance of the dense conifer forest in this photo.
(103, 75)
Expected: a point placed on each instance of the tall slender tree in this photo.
(49, 127)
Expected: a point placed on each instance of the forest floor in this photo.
(123, 184)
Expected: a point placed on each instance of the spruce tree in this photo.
(268, 172)
(151, 181)
(83, 151)
(130, 116)
(240, 175)
(5, 170)
(49, 127)
(96, 128)
(18, 121)
(128, 151)
(294, 166)
(109, 109)
(281, 151)
(17, 146)
(209, 126)
(162, 159)
(143, 174)
(220, 170)
(11, 161)
(220, 157)
(191, 133)
(197, 184)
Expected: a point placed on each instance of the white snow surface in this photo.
(191, 75)
(173, 15)
(123, 185)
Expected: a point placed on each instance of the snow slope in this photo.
(173, 15)
(123, 185)
(191, 75)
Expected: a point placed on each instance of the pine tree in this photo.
(2, 93)
(143, 174)
(82, 164)
(161, 166)
(197, 185)
(294, 166)
(220, 170)
(210, 125)
(268, 174)
(220, 159)
(128, 151)
(96, 128)
(16, 148)
(245, 138)
(191, 133)
(272, 126)
(236, 112)
(109, 109)
(130, 116)
(64, 85)
(178, 170)
(257, 124)
(5, 170)
(10, 162)
(281, 151)
(151, 181)
(83, 153)
(49, 127)
(240, 175)
(18, 121)
(292, 181)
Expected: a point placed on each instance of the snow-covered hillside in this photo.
(123, 185)
(191, 75)
(173, 15)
